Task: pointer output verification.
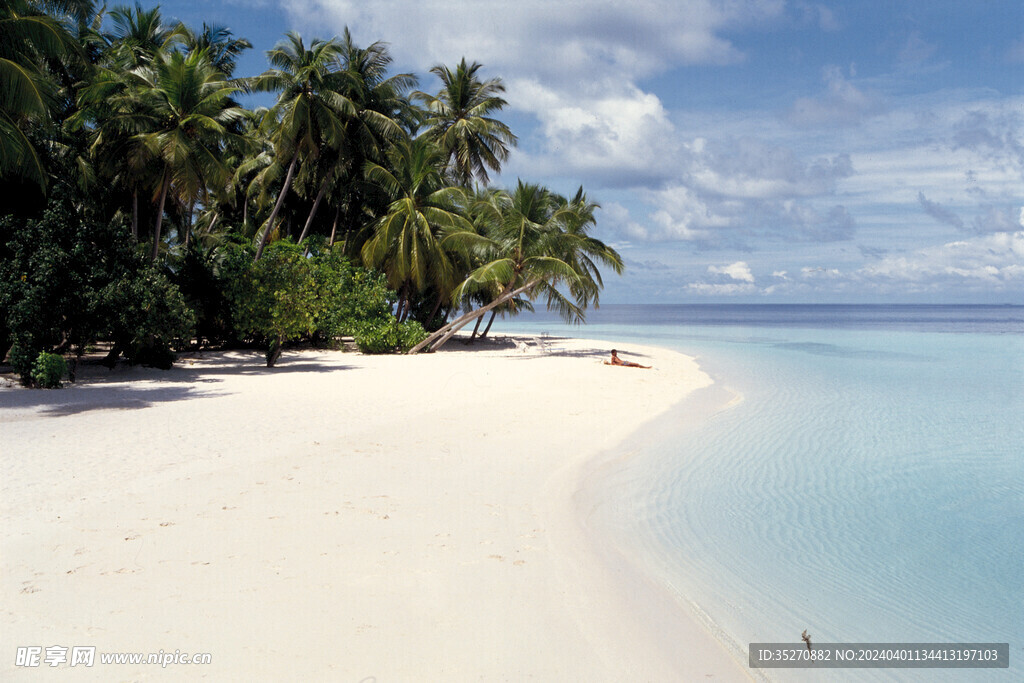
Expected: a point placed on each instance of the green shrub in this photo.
(410, 333)
(389, 336)
(67, 280)
(349, 298)
(147, 316)
(274, 299)
(21, 358)
(48, 370)
(380, 338)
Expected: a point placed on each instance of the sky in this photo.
(742, 151)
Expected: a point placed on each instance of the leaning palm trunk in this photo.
(334, 226)
(160, 215)
(490, 322)
(441, 337)
(312, 212)
(277, 207)
(476, 328)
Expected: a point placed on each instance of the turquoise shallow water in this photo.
(869, 487)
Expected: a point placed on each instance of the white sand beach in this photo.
(339, 517)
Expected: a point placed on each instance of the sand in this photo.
(339, 517)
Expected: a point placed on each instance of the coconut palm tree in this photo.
(538, 242)
(382, 110)
(179, 111)
(139, 35)
(310, 111)
(220, 44)
(28, 40)
(406, 242)
(460, 119)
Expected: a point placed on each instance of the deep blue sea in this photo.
(869, 487)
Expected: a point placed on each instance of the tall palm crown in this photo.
(139, 35)
(220, 44)
(180, 110)
(310, 111)
(460, 120)
(407, 240)
(310, 107)
(379, 112)
(28, 39)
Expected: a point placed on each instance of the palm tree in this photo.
(179, 111)
(28, 39)
(309, 111)
(139, 35)
(538, 241)
(459, 119)
(406, 241)
(381, 111)
(110, 99)
(220, 44)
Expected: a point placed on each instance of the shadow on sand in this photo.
(131, 388)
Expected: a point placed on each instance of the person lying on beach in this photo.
(624, 363)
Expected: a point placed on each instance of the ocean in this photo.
(868, 487)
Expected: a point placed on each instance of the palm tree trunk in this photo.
(277, 207)
(245, 210)
(438, 339)
(403, 304)
(476, 327)
(160, 214)
(334, 226)
(489, 323)
(135, 215)
(188, 223)
(437, 306)
(213, 222)
(312, 212)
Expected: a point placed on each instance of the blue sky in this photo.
(742, 150)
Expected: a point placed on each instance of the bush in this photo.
(350, 298)
(22, 357)
(410, 333)
(51, 269)
(380, 338)
(387, 337)
(147, 316)
(67, 280)
(197, 275)
(287, 295)
(48, 370)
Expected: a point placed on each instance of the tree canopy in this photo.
(144, 184)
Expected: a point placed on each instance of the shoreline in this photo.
(279, 520)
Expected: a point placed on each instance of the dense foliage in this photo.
(145, 209)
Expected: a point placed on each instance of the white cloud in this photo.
(615, 217)
(992, 259)
(615, 134)
(737, 271)
(539, 37)
(842, 104)
(747, 168)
